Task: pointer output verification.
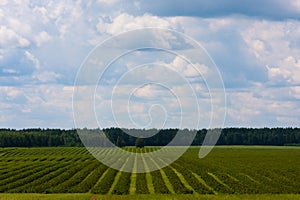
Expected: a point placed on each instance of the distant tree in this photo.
(60, 137)
(139, 143)
(120, 142)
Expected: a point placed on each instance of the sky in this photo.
(254, 44)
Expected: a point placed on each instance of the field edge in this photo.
(88, 196)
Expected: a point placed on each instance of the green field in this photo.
(226, 173)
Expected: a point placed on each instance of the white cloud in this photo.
(188, 69)
(275, 46)
(295, 92)
(125, 22)
(10, 71)
(10, 39)
(149, 91)
(288, 71)
(46, 77)
(219, 23)
(42, 13)
(42, 37)
(263, 107)
(295, 4)
(54, 37)
(36, 106)
(33, 59)
(110, 2)
(17, 25)
(3, 2)
(13, 93)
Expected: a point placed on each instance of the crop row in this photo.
(13, 168)
(86, 184)
(29, 179)
(52, 170)
(105, 182)
(24, 177)
(31, 187)
(122, 187)
(13, 176)
(141, 184)
(75, 179)
(158, 183)
(67, 174)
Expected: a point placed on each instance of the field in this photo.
(226, 173)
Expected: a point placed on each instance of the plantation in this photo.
(226, 170)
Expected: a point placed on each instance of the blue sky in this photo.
(255, 45)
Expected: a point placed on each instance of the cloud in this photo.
(38, 106)
(10, 71)
(108, 1)
(275, 46)
(268, 9)
(125, 22)
(188, 69)
(224, 40)
(261, 108)
(255, 44)
(33, 59)
(46, 77)
(287, 73)
(11, 39)
(42, 37)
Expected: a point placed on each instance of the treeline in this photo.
(38, 138)
(230, 136)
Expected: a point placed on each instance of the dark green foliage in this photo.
(17, 176)
(30, 187)
(123, 184)
(75, 179)
(103, 186)
(29, 179)
(229, 136)
(141, 184)
(198, 187)
(120, 142)
(38, 138)
(158, 183)
(89, 181)
(226, 170)
(139, 143)
(179, 188)
(257, 170)
(47, 187)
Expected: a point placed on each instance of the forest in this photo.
(38, 137)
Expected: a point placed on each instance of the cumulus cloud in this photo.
(42, 37)
(46, 77)
(255, 45)
(11, 39)
(270, 9)
(275, 45)
(188, 69)
(262, 108)
(42, 106)
(287, 73)
(33, 59)
(125, 22)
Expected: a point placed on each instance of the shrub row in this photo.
(158, 183)
(123, 184)
(46, 187)
(12, 177)
(104, 186)
(86, 184)
(141, 184)
(75, 179)
(31, 187)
